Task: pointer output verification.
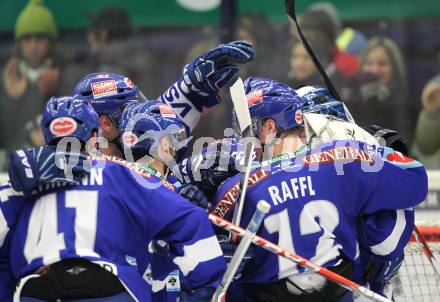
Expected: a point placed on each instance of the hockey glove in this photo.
(379, 274)
(32, 167)
(208, 169)
(195, 195)
(228, 250)
(393, 139)
(206, 74)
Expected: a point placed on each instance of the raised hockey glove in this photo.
(195, 195)
(206, 74)
(32, 167)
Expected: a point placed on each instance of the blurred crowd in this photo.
(369, 72)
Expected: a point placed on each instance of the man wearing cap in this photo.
(29, 77)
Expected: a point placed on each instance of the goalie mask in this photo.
(319, 100)
(144, 125)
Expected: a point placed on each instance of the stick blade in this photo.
(239, 100)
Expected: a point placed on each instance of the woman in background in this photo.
(303, 71)
(380, 94)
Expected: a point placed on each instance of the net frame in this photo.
(416, 280)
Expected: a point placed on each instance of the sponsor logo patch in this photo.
(104, 88)
(398, 158)
(129, 139)
(173, 282)
(254, 97)
(62, 126)
(338, 154)
(227, 202)
(298, 117)
(166, 111)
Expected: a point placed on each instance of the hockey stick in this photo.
(262, 208)
(289, 5)
(427, 251)
(273, 248)
(244, 121)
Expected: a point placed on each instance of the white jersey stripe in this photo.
(202, 250)
(390, 243)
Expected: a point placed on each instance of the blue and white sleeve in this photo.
(191, 237)
(180, 97)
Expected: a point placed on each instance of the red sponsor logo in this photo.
(104, 88)
(338, 154)
(398, 158)
(166, 111)
(298, 117)
(128, 82)
(254, 97)
(129, 139)
(227, 202)
(62, 126)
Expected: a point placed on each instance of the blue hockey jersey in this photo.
(316, 199)
(110, 218)
(382, 238)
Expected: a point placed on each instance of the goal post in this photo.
(416, 279)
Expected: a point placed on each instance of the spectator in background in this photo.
(319, 20)
(380, 90)
(427, 136)
(270, 59)
(113, 49)
(302, 69)
(29, 77)
(348, 39)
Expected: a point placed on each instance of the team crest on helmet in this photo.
(104, 88)
(166, 111)
(129, 138)
(254, 97)
(298, 117)
(63, 126)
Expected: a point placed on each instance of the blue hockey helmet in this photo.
(269, 99)
(317, 99)
(108, 93)
(144, 124)
(68, 117)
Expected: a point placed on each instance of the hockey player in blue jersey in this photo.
(201, 81)
(212, 177)
(153, 136)
(315, 210)
(82, 241)
(383, 235)
(109, 93)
